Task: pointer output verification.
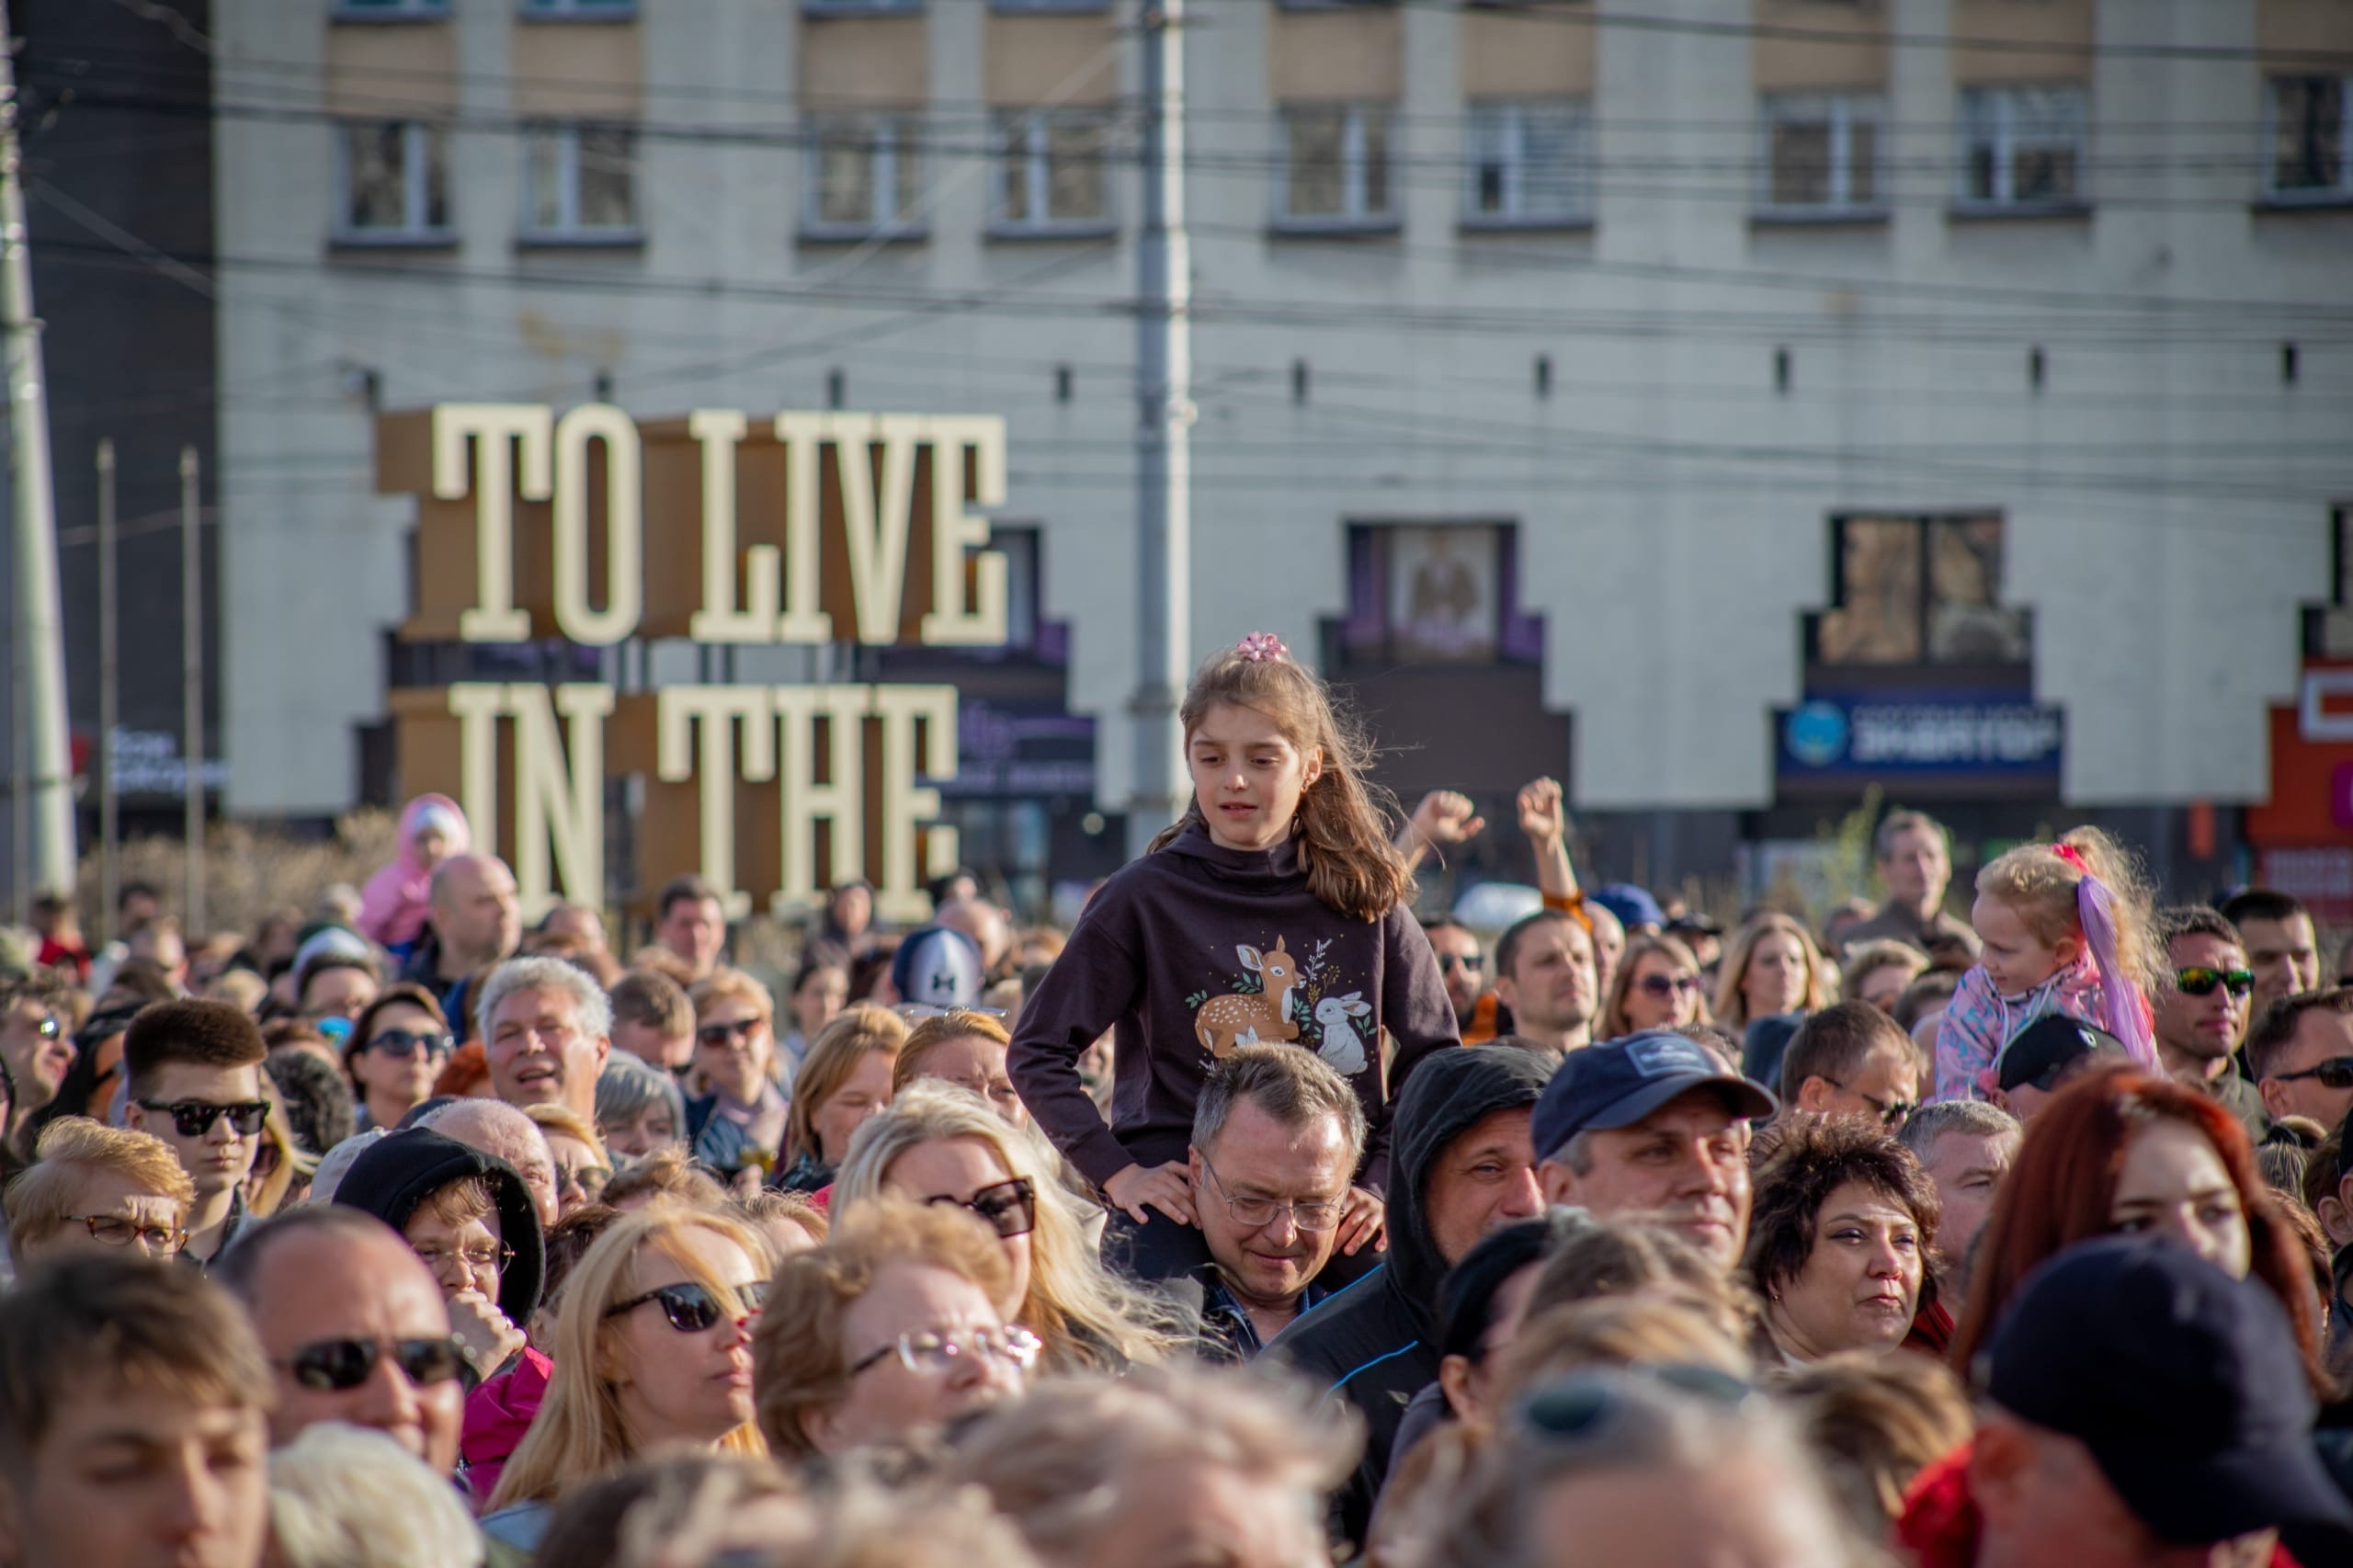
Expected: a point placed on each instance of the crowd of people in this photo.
(1253, 1222)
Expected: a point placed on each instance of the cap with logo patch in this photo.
(1618, 1082)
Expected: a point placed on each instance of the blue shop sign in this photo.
(1866, 734)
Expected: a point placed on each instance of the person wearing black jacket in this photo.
(1464, 1165)
(402, 1181)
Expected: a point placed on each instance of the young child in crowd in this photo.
(1276, 910)
(2066, 928)
(393, 905)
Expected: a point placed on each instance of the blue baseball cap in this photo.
(2183, 1383)
(1618, 1082)
(1633, 905)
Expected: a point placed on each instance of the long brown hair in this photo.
(2063, 1189)
(1341, 823)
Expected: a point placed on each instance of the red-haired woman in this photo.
(2124, 1150)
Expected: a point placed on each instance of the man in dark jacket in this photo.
(1462, 1166)
(490, 1264)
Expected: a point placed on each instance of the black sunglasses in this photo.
(2336, 1073)
(1009, 1206)
(690, 1306)
(2200, 982)
(193, 1119)
(334, 1366)
(408, 1042)
(1470, 963)
(717, 1035)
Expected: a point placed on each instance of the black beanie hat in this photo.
(403, 1169)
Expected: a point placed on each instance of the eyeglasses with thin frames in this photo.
(114, 1230)
(1312, 1215)
(928, 1350)
(477, 1259)
(1892, 1114)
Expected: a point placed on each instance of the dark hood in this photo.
(1239, 868)
(404, 1168)
(1448, 1093)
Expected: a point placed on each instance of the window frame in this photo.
(1036, 126)
(1577, 177)
(570, 233)
(1921, 618)
(414, 234)
(2007, 140)
(883, 130)
(388, 11)
(1775, 110)
(576, 10)
(2337, 195)
(1355, 217)
(863, 8)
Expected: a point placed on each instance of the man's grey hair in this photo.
(1289, 1084)
(1972, 1118)
(354, 1498)
(1644, 1423)
(594, 1009)
(629, 1085)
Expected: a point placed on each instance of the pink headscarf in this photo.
(393, 905)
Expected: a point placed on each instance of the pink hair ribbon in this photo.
(1262, 647)
(2072, 855)
(2122, 1012)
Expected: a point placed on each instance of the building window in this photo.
(2022, 147)
(1335, 168)
(1051, 176)
(580, 184)
(2312, 138)
(1529, 162)
(859, 7)
(395, 182)
(1821, 154)
(1435, 593)
(579, 10)
(1918, 590)
(387, 10)
(865, 174)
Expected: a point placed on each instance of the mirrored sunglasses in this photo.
(2199, 982)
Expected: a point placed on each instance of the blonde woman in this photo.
(741, 1122)
(967, 1048)
(1771, 966)
(653, 1352)
(1656, 986)
(846, 1079)
(940, 1144)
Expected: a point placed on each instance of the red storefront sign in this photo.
(2303, 835)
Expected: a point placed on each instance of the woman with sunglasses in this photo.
(941, 1145)
(2121, 1149)
(1657, 987)
(1770, 967)
(398, 1046)
(845, 1081)
(1839, 1240)
(741, 1122)
(895, 1326)
(652, 1354)
(967, 1048)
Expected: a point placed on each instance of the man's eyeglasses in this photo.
(337, 1366)
(477, 1259)
(1892, 1114)
(926, 1351)
(1468, 963)
(1314, 1215)
(194, 1118)
(406, 1043)
(1009, 1206)
(2199, 982)
(726, 1032)
(1666, 986)
(2336, 1073)
(114, 1230)
(691, 1307)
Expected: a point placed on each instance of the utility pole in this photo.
(109, 691)
(40, 620)
(1163, 434)
(192, 688)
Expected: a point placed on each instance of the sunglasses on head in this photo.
(1669, 984)
(408, 1042)
(692, 1306)
(1009, 1206)
(726, 1033)
(2336, 1073)
(2200, 982)
(194, 1118)
(334, 1366)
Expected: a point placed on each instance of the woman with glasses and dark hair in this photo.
(941, 1145)
(652, 1354)
(1656, 986)
(895, 1326)
(1839, 1240)
(2123, 1151)
(741, 1122)
(397, 1047)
